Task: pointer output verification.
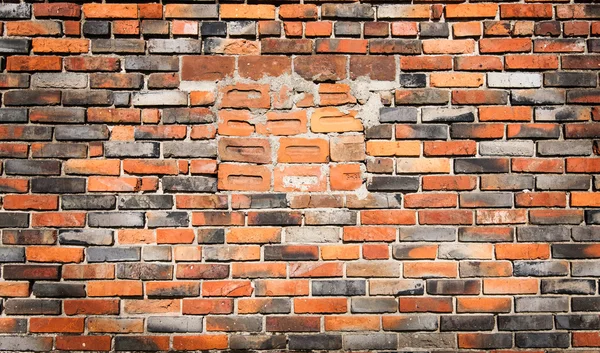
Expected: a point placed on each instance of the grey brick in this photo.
(398, 114)
(174, 324)
(453, 286)
(58, 290)
(424, 340)
(86, 237)
(543, 234)
(339, 287)
(121, 99)
(396, 287)
(132, 149)
(540, 268)
(59, 80)
(424, 132)
(12, 254)
(157, 253)
(42, 97)
(144, 271)
(422, 96)
(58, 185)
(570, 79)
(115, 219)
(333, 217)
(245, 342)
(189, 184)
(541, 304)
(187, 116)
(118, 46)
(374, 305)
(563, 182)
(347, 29)
(32, 167)
(374, 200)
(460, 252)
(569, 251)
(392, 183)
(349, 11)
(60, 150)
(540, 340)
(196, 11)
(13, 115)
(259, 201)
(140, 202)
(178, 46)
(135, 343)
(480, 165)
(404, 251)
(562, 113)
(568, 286)
(24, 343)
(96, 28)
(319, 341)
(159, 98)
(116, 81)
(564, 148)
(413, 80)
(312, 235)
(422, 322)
(585, 269)
(15, 11)
(88, 202)
(211, 236)
(467, 323)
(433, 29)
(113, 254)
(87, 97)
(236, 323)
(82, 133)
(380, 131)
(201, 149)
(586, 233)
(365, 341)
(13, 219)
(240, 28)
(14, 45)
(585, 303)
(524, 322)
(469, 269)
(513, 148)
(448, 115)
(592, 216)
(513, 80)
(427, 234)
(167, 219)
(213, 29)
(151, 63)
(577, 322)
(537, 97)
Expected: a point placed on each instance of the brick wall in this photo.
(317, 176)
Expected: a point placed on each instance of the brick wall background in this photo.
(318, 176)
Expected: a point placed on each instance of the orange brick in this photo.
(522, 251)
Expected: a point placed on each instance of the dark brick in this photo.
(467, 323)
(13, 115)
(113, 254)
(28, 236)
(144, 271)
(524, 322)
(58, 185)
(189, 184)
(434, 29)
(568, 286)
(58, 290)
(88, 202)
(274, 218)
(245, 342)
(577, 322)
(32, 97)
(96, 28)
(32, 307)
(14, 220)
(453, 287)
(541, 340)
(213, 29)
(413, 80)
(290, 253)
(318, 341)
(481, 165)
(339, 287)
(86, 237)
(393, 183)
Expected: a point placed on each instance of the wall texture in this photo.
(317, 176)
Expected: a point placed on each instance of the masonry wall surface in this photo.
(325, 175)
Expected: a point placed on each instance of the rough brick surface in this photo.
(374, 176)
